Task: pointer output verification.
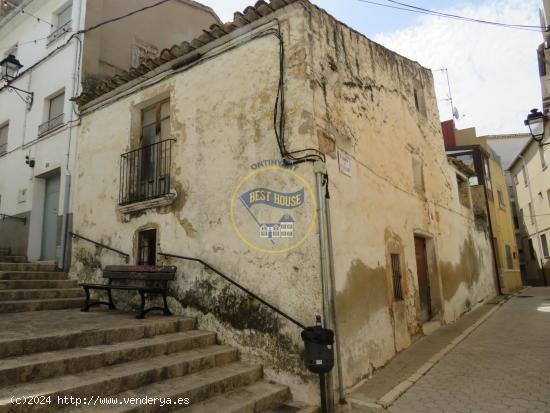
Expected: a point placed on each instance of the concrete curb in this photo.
(390, 397)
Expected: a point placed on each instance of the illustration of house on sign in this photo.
(283, 229)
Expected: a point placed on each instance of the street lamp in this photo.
(535, 122)
(9, 68)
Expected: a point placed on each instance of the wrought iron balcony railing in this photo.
(50, 124)
(60, 31)
(145, 172)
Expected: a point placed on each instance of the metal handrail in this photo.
(99, 244)
(50, 124)
(236, 284)
(4, 216)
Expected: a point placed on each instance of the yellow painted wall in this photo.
(501, 216)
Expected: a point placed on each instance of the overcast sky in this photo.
(493, 71)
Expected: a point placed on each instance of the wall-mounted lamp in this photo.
(29, 161)
(9, 68)
(536, 123)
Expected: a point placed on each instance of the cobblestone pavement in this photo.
(503, 366)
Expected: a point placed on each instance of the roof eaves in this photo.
(520, 154)
(169, 57)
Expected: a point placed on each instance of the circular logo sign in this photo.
(273, 209)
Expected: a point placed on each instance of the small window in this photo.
(396, 276)
(531, 249)
(4, 139)
(531, 213)
(63, 19)
(54, 116)
(544, 245)
(509, 257)
(542, 157)
(524, 173)
(501, 203)
(147, 247)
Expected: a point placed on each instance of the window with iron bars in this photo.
(147, 247)
(396, 276)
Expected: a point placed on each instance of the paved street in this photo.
(503, 366)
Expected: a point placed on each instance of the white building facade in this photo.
(38, 139)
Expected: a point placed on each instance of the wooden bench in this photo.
(145, 279)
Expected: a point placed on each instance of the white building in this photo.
(532, 183)
(38, 141)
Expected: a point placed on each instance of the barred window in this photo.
(396, 275)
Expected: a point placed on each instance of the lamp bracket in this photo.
(28, 98)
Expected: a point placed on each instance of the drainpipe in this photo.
(320, 173)
(65, 222)
(534, 218)
(341, 392)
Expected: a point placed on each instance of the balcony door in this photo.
(154, 168)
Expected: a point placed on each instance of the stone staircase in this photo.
(5, 256)
(35, 286)
(99, 355)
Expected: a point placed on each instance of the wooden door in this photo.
(423, 281)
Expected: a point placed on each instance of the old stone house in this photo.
(267, 116)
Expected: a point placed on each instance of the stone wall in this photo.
(380, 109)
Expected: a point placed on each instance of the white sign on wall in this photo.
(344, 162)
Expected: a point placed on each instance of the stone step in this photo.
(120, 378)
(34, 284)
(12, 295)
(56, 363)
(20, 306)
(28, 266)
(12, 258)
(32, 275)
(254, 398)
(293, 407)
(196, 387)
(88, 329)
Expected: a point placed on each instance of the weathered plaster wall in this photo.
(364, 105)
(222, 118)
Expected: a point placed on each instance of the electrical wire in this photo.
(23, 11)
(454, 16)
(414, 9)
(279, 117)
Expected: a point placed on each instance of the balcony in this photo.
(145, 173)
(51, 124)
(60, 31)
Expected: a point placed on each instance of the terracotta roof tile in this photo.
(252, 13)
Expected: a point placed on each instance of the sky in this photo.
(492, 71)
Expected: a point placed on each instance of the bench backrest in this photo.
(140, 272)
